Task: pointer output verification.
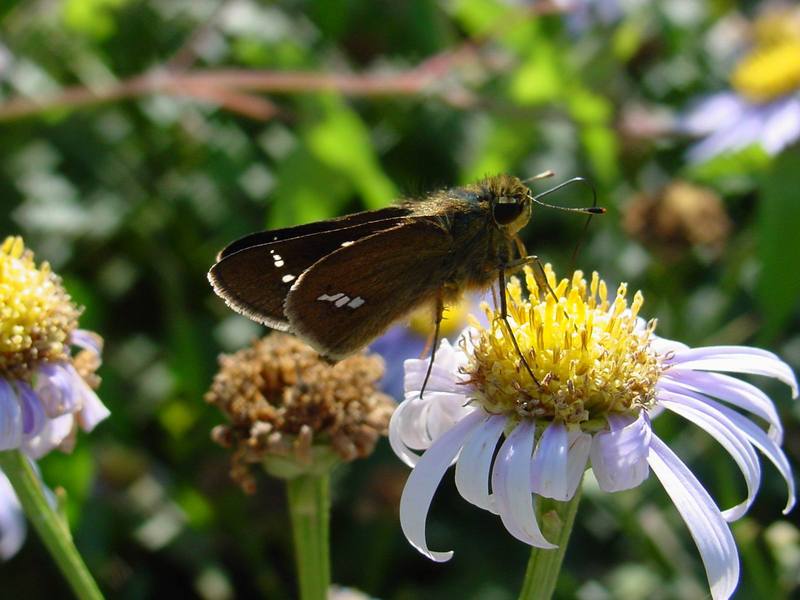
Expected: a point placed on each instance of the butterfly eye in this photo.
(506, 212)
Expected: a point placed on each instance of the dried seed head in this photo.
(293, 411)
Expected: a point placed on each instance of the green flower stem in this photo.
(309, 506)
(557, 519)
(48, 524)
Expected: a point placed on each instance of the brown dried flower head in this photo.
(680, 215)
(294, 412)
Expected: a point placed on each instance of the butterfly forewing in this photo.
(277, 235)
(254, 280)
(352, 295)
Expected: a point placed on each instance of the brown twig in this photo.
(233, 89)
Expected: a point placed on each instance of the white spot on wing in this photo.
(326, 298)
(355, 302)
(287, 278)
(342, 301)
(278, 263)
(346, 244)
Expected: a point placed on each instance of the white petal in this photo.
(33, 414)
(424, 479)
(713, 112)
(396, 438)
(54, 432)
(445, 376)
(758, 437)
(549, 464)
(736, 359)
(87, 340)
(92, 411)
(717, 425)
(10, 417)
(733, 391)
(512, 486)
(580, 444)
(782, 126)
(55, 387)
(475, 462)
(702, 517)
(619, 456)
(12, 520)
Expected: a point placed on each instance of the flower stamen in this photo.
(588, 353)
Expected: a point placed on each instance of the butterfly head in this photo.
(509, 202)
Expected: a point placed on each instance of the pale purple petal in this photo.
(759, 438)
(619, 456)
(399, 442)
(54, 432)
(87, 340)
(56, 389)
(33, 416)
(445, 376)
(704, 520)
(12, 520)
(721, 351)
(717, 425)
(782, 125)
(713, 112)
(737, 136)
(424, 479)
(549, 464)
(580, 445)
(736, 359)
(10, 417)
(475, 462)
(734, 391)
(93, 411)
(663, 346)
(511, 485)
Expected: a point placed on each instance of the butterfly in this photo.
(338, 284)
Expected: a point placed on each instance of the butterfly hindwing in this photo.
(352, 295)
(254, 281)
(277, 235)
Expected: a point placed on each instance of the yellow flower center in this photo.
(423, 321)
(586, 352)
(36, 313)
(769, 71)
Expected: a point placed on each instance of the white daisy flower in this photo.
(45, 391)
(763, 106)
(601, 374)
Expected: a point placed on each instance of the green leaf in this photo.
(94, 18)
(307, 190)
(341, 141)
(778, 248)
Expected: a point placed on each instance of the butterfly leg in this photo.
(437, 324)
(504, 317)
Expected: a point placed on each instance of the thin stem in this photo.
(557, 519)
(309, 507)
(48, 524)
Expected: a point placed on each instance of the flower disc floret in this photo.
(769, 72)
(589, 354)
(37, 315)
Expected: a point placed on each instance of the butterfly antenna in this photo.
(590, 210)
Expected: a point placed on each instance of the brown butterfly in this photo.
(338, 284)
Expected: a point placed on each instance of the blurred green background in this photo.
(138, 138)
